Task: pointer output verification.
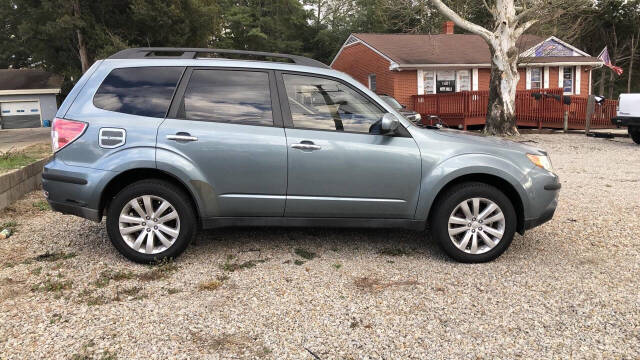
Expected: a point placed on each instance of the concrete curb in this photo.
(15, 184)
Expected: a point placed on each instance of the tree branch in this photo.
(522, 28)
(492, 11)
(465, 24)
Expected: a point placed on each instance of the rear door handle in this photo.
(306, 145)
(182, 136)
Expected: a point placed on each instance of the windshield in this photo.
(391, 101)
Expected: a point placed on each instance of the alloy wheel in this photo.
(476, 225)
(149, 224)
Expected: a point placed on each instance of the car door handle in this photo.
(182, 137)
(306, 146)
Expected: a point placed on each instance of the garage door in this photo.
(20, 114)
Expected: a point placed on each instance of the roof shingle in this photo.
(24, 79)
(411, 49)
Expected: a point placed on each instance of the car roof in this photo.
(196, 53)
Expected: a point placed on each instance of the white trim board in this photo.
(30, 92)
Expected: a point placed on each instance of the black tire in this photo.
(634, 133)
(179, 200)
(448, 202)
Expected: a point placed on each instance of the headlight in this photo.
(541, 161)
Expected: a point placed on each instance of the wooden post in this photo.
(566, 121)
(591, 105)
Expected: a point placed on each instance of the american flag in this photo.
(604, 56)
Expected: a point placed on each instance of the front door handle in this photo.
(182, 136)
(306, 145)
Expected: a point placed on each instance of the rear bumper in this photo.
(74, 190)
(83, 212)
(625, 121)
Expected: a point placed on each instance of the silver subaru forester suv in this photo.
(166, 141)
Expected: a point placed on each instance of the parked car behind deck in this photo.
(628, 114)
(164, 142)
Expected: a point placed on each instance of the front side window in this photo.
(324, 104)
(143, 91)
(567, 80)
(233, 96)
(536, 78)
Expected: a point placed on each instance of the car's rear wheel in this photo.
(634, 133)
(473, 222)
(150, 220)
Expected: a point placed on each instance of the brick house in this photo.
(402, 65)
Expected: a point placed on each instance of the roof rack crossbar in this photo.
(192, 53)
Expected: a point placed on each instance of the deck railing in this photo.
(542, 108)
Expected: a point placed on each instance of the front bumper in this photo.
(551, 191)
(625, 121)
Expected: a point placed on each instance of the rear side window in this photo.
(232, 96)
(144, 91)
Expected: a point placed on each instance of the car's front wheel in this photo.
(150, 220)
(634, 133)
(473, 222)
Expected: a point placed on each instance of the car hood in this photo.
(488, 142)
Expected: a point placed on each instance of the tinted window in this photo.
(144, 91)
(229, 96)
(318, 103)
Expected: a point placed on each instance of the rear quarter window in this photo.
(143, 91)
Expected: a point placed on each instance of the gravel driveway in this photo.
(568, 289)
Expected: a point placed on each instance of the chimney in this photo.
(447, 27)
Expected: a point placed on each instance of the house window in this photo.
(464, 80)
(536, 78)
(567, 80)
(445, 81)
(372, 82)
(429, 82)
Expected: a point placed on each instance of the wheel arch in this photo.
(128, 177)
(496, 181)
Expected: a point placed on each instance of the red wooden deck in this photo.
(470, 108)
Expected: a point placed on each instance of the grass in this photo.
(159, 271)
(305, 254)
(337, 266)
(52, 285)
(372, 284)
(231, 267)
(12, 159)
(55, 256)
(108, 275)
(298, 262)
(11, 225)
(41, 205)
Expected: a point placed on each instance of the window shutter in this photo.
(474, 80)
(546, 77)
(577, 87)
(560, 76)
(528, 79)
(420, 82)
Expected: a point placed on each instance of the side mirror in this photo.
(389, 123)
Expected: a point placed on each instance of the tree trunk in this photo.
(501, 111)
(611, 84)
(82, 45)
(633, 53)
(603, 80)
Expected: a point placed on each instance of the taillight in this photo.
(64, 132)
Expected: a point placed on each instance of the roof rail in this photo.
(192, 53)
